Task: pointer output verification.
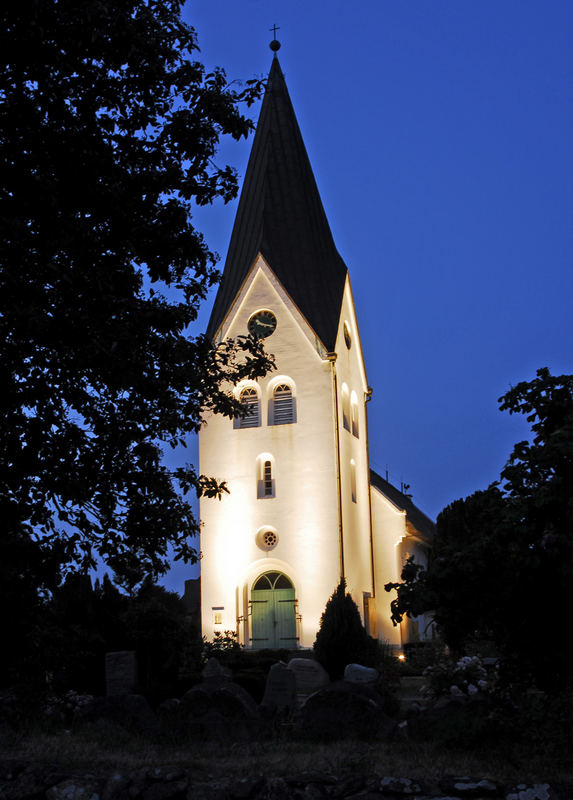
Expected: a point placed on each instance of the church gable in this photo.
(262, 290)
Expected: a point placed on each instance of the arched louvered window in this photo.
(252, 418)
(283, 410)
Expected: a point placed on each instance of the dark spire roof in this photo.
(281, 216)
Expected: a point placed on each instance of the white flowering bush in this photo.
(466, 677)
(62, 708)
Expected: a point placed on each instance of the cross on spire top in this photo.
(275, 44)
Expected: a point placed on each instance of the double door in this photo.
(273, 616)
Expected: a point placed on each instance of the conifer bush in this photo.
(341, 638)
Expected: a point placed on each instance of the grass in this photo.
(101, 749)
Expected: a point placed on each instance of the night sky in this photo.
(440, 134)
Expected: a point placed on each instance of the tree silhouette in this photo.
(502, 562)
(109, 129)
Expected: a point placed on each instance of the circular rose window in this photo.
(267, 539)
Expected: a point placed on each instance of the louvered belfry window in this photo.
(250, 399)
(283, 405)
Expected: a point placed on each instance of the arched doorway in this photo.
(273, 612)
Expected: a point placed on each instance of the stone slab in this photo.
(310, 676)
(280, 689)
(120, 672)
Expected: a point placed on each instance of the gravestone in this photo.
(356, 673)
(309, 675)
(280, 689)
(129, 711)
(219, 711)
(343, 710)
(215, 672)
(120, 672)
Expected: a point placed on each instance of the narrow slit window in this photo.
(354, 409)
(345, 408)
(353, 480)
(283, 405)
(250, 399)
(265, 476)
(268, 479)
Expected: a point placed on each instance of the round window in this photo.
(267, 539)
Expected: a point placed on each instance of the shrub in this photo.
(341, 639)
(224, 647)
(467, 676)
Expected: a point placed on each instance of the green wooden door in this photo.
(273, 612)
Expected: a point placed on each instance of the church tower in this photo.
(299, 513)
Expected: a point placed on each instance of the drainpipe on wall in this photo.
(332, 358)
(367, 398)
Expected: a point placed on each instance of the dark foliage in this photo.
(108, 132)
(341, 638)
(502, 564)
(82, 623)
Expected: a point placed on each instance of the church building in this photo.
(304, 508)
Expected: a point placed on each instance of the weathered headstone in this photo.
(129, 711)
(215, 672)
(120, 672)
(341, 710)
(219, 711)
(280, 689)
(309, 675)
(356, 673)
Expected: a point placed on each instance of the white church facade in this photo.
(304, 507)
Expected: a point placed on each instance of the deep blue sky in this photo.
(440, 133)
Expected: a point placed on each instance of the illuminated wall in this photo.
(392, 543)
(354, 468)
(314, 516)
(304, 509)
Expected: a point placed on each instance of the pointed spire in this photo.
(280, 215)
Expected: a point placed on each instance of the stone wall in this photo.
(27, 781)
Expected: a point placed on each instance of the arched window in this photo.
(354, 414)
(265, 477)
(273, 580)
(283, 405)
(345, 407)
(252, 418)
(353, 480)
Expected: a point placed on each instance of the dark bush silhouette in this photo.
(341, 639)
